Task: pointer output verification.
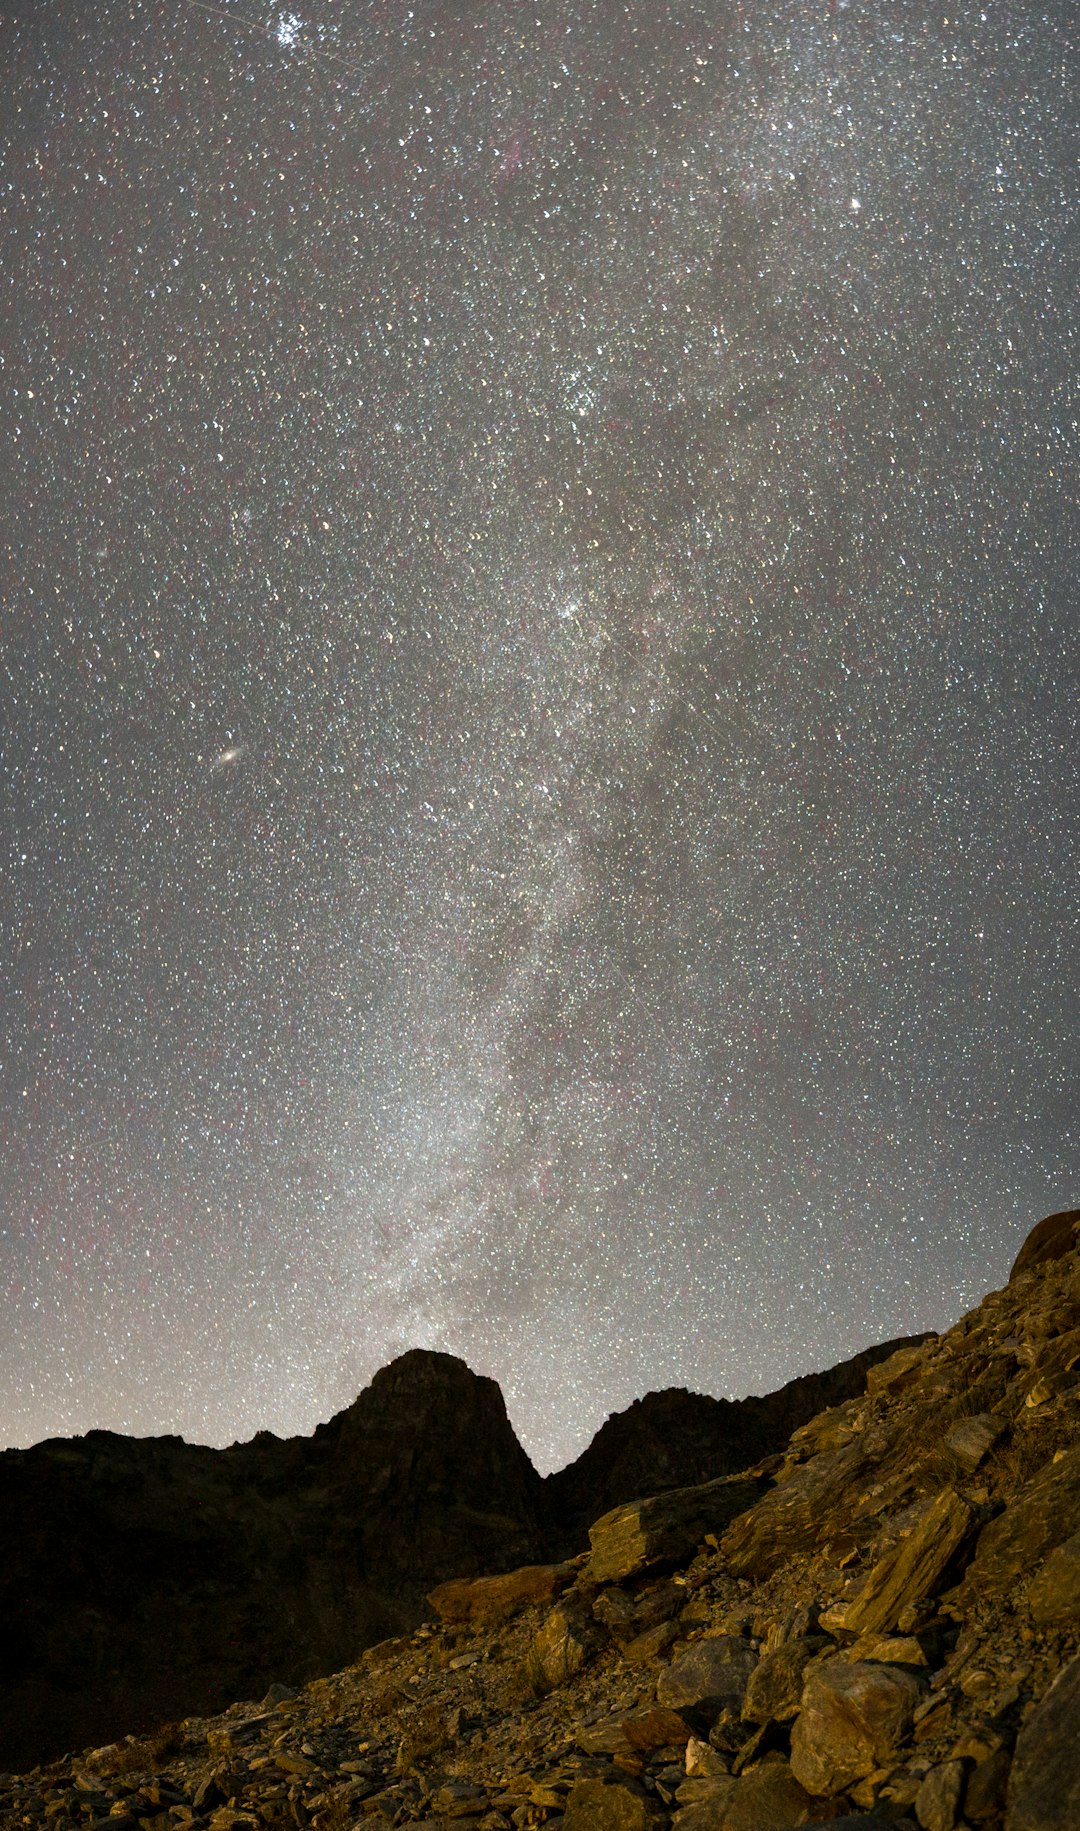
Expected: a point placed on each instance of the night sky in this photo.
(540, 785)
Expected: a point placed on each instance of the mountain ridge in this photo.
(877, 1624)
(213, 1570)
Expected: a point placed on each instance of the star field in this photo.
(538, 693)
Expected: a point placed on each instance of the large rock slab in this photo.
(1044, 1514)
(913, 1569)
(795, 1515)
(1044, 1782)
(482, 1601)
(767, 1799)
(664, 1527)
(710, 1677)
(601, 1805)
(1054, 1596)
(1051, 1239)
(853, 1718)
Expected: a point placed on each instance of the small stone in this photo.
(568, 1638)
(648, 1646)
(899, 1371)
(703, 1762)
(938, 1799)
(767, 1799)
(888, 1650)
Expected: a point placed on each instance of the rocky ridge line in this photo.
(880, 1625)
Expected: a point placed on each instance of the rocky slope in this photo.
(881, 1624)
(146, 1579)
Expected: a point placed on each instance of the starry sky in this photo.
(539, 804)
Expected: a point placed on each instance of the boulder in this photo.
(937, 1801)
(1054, 1595)
(912, 1570)
(853, 1717)
(901, 1369)
(1051, 1239)
(603, 1805)
(796, 1515)
(664, 1527)
(776, 1683)
(1043, 1515)
(711, 1676)
(767, 1799)
(637, 1734)
(568, 1638)
(1044, 1781)
(627, 1617)
(482, 1601)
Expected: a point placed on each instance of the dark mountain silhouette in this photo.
(143, 1579)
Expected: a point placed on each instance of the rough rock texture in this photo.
(949, 1719)
(1043, 1515)
(483, 1600)
(913, 1568)
(1044, 1784)
(709, 1678)
(664, 1527)
(1052, 1238)
(852, 1718)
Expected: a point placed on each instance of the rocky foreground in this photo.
(880, 1623)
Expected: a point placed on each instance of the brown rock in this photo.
(482, 1601)
(1051, 1239)
(601, 1805)
(1054, 1596)
(568, 1638)
(710, 1676)
(1044, 1781)
(938, 1799)
(888, 1650)
(911, 1571)
(767, 1799)
(852, 1719)
(1043, 1515)
(775, 1686)
(626, 1616)
(970, 1439)
(900, 1370)
(795, 1515)
(984, 1796)
(657, 1728)
(665, 1527)
(648, 1646)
